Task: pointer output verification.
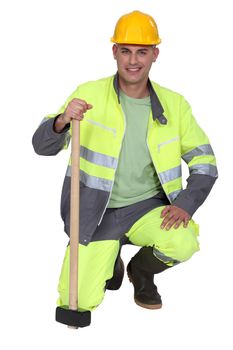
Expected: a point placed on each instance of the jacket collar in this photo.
(157, 109)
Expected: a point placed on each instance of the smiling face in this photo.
(134, 62)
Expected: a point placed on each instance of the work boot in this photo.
(141, 270)
(115, 282)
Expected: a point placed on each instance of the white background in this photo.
(47, 49)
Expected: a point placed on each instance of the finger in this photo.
(78, 111)
(79, 118)
(165, 211)
(84, 104)
(78, 108)
(170, 223)
(186, 222)
(177, 224)
(166, 220)
(78, 101)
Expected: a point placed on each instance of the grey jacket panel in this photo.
(46, 141)
(196, 192)
(92, 204)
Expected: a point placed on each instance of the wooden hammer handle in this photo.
(74, 215)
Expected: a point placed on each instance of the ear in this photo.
(155, 53)
(114, 51)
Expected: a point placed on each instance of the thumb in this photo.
(89, 106)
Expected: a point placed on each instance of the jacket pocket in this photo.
(168, 142)
(102, 126)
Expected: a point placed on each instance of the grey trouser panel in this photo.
(117, 221)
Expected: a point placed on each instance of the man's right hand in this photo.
(74, 110)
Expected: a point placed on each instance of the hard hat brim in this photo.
(135, 42)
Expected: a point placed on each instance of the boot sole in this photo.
(145, 306)
(148, 306)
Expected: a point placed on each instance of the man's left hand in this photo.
(174, 216)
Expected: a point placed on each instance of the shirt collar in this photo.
(156, 107)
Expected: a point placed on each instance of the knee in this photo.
(177, 245)
(184, 244)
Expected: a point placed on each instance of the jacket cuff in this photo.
(198, 189)
(184, 202)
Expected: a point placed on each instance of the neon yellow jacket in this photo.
(173, 134)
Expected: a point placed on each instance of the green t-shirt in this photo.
(135, 178)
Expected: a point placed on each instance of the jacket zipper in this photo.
(154, 163)
(114, 173)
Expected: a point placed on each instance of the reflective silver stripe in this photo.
(98, 158)
(164, 258)
(92, 181)
(172, 196)
(205, 169)
(170, 174)
(203, 150)
(102, 126)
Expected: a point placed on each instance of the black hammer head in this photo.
(73, 318)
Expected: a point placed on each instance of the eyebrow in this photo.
(142, 49)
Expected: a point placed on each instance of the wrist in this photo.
(60, 124)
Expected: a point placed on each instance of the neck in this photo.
(137, 90)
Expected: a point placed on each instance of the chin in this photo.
(135, 80)
(131, 80)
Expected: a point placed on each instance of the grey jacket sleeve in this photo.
(196, 192)
(47, 142)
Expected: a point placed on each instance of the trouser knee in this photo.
(180, 247)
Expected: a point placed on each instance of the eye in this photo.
(124, 51)
(142, 52)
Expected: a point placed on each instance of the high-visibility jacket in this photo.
(173, 134)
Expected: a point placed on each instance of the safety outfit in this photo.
(173, 134)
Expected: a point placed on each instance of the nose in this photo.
(132, 58)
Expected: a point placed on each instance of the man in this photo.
(133, 136)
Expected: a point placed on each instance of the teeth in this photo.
(133, 69)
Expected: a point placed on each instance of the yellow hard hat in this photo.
(136, 28)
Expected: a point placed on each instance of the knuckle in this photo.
(82, 102)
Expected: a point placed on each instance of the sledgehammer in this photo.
(70, 315)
